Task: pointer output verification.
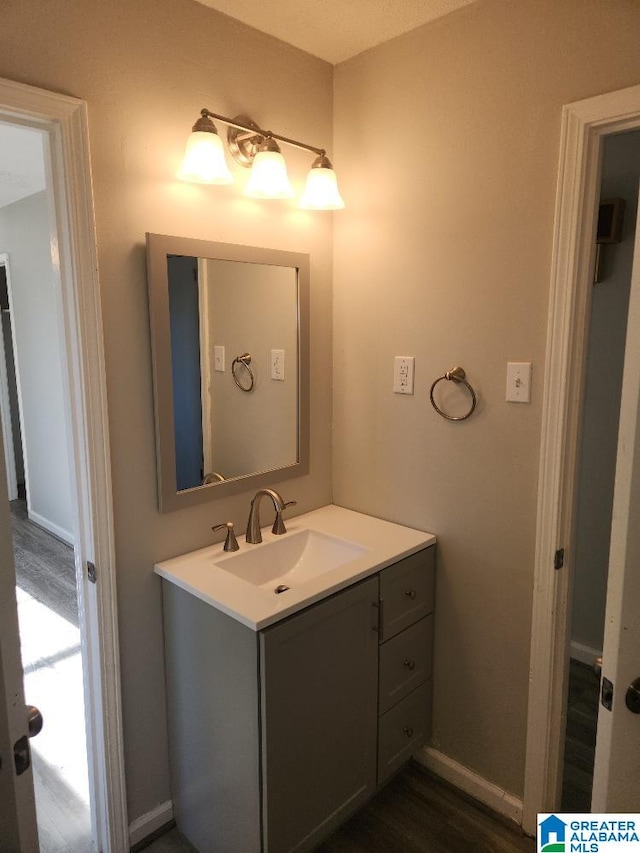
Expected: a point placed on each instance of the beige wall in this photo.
(146, 68)
(447, 142)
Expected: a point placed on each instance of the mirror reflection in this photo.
(234, 364)
(230, 347)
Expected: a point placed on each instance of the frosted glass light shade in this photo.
(321, 190)
(204, 161)
(269, 177)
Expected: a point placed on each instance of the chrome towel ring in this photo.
(456, 374)
(245, 361)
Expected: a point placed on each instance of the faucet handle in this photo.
(278, 525)
(230, 543)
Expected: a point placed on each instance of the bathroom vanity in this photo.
(288, 709)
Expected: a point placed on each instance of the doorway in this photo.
(597, 458)
(61, 122)
(584, 127)
(35, 427)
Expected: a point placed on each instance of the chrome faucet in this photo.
(254, 536)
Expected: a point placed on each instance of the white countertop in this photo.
(202, 574)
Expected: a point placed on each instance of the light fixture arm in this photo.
(252, 130)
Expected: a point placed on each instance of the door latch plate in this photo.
(22, 755)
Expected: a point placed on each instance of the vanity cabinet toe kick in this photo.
(277, 737)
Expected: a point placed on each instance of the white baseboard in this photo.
(471, 783)
(57, 531)
(468, 781)
(147, 823)
(585, 654)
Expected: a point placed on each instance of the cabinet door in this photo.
(319, 717)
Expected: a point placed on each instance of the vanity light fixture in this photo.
(252, 146)
(204, 156)
(321, 190)
(269, 177)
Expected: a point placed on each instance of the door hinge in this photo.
(92, 572)
(558, 560)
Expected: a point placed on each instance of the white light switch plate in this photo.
(218, 358)
(403, 368)
(518, 382)
(277, 364)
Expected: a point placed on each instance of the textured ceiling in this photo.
(335, 30)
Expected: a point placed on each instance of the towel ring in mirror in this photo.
(245, 361)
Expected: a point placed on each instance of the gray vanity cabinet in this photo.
(276, 737)
(319, 682)
(406, 652)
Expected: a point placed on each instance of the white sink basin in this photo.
(324, 551)
(293, 559)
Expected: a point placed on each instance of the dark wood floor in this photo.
(580, 743)
(45, 565)
(414, 813)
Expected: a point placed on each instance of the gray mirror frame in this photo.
(158, 247)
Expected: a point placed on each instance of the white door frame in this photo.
(206, 377)
(75, 261)
(5, 405)
(583, 125)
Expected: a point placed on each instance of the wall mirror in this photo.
(230, 351)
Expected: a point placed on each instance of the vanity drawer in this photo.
(403, 729)
(405, 662)
(406, 592)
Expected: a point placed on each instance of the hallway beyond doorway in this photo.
(580, 741)
(50, 644)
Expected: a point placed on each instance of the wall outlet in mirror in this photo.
(218, 359)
